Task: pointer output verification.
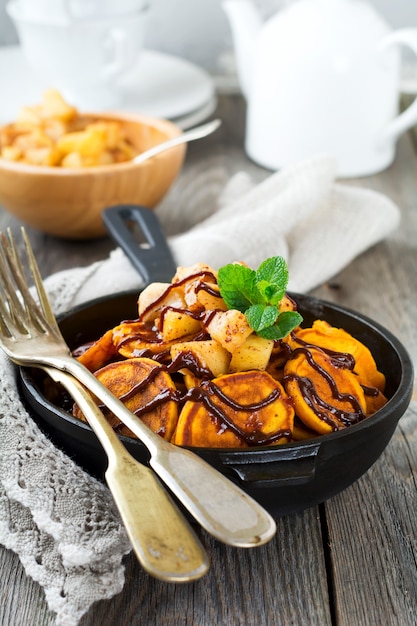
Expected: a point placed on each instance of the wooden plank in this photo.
(21, 599)
(373, 530)
(372, 527)
(282, 583)
(278, 584)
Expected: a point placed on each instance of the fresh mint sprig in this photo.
(257, 294)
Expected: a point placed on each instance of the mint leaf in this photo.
(285, 323)
(258, 294)
(237, 286)
(272, 279)
(260, 316)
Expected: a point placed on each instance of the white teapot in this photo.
(321, 76)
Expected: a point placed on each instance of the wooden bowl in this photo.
(68, 202)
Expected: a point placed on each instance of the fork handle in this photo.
(221, 507)
(163, 540)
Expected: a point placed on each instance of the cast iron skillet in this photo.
(284, 478)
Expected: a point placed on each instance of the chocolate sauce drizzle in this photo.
(339, 359)
(208, 390)
(343, 360)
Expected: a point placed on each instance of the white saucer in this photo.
(196, 117)
(160, 85)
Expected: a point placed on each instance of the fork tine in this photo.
(6, 322)
(12, 310)
(40, 288)
(14, 278)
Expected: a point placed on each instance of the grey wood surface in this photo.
(351, 561)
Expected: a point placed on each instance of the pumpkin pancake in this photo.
(146, 389)
(327, 396)
(234, 411)
(333, 339)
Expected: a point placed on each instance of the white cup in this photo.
(72, 10)
(92, 9)
(82, 59)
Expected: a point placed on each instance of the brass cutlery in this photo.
(30, 336)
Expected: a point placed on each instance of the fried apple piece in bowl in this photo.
(60, 167)
(146, 389)
(236, 411)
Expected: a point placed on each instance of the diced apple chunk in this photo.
(157, 296)
(177, 324)
(287, 304)
(209, 355)
(151, 294)
(253, 354)
(184, 272)
(230, 328)
(208, 300)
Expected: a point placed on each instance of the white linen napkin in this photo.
(299, 213)
(61, 522)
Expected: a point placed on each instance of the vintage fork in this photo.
(163, 540)
(31, 337)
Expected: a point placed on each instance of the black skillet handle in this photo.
(274, 467)
(139, 233)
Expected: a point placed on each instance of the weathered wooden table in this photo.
(350, 561)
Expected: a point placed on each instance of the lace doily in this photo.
(62, 523)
